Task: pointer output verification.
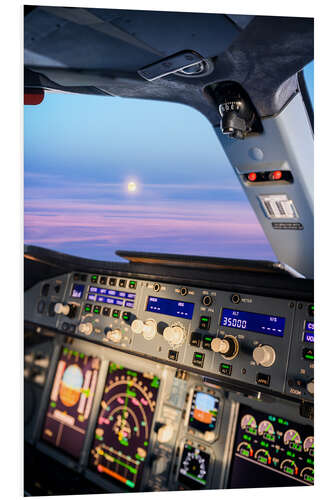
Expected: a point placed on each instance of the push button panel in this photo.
(301, 360)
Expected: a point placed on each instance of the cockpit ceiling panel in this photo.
(104, 49)
(123, 40)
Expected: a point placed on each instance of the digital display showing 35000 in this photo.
(254, 322)
(124, 423)
(71, 400)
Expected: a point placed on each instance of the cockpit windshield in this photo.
(108, 173)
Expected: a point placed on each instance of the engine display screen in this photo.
(124, 423)
(204, 411)
(170, 307)
(270, 450)
(194, 467)
(77, 291)
(70, 401)
(254, 322)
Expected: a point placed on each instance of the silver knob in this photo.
(114, 335)
(310, 387)
(137, 326)
(165, 433)
(174, 335)
(219, 345)
(264, 355)
(86, 328)
(62, 309)
(149, 329)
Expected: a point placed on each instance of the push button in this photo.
(112, 281)
(122, 283)
(225, 369)
(115, 313)
(204, 323)
(103, 280)
(132, 284)
(206, 342)
(97, 309)
(94, 278)
(45, 290)
(195, 339)
(126, 316)
(106, 311)
(263, 379)
(308, 353)
(198, 359)
(173, 355)
(87, 308)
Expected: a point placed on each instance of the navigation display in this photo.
(194, 467)
(70, 401)
(204, 411)
(260, 323)
(123, 428)
(170, 307)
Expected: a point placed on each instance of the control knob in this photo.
(114, 335)
(165, 433)
(60, 308)
(86, 328)
(310, 387)
(147, 328)
(174, 335)
(228, 346)
(264, 355)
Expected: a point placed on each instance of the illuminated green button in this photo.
(115, 313)
(94, 278)
(87, 308)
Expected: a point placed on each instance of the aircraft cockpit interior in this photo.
(158, 356)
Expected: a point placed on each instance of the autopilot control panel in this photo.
(252, 340)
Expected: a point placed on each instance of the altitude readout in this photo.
(204, 410)
(260, 323)
(124, 423)
(71, 400)
(194, 467)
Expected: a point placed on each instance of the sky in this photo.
(81, 153)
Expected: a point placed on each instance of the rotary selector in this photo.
(227, 346)
(147, 328)
(165, 433)
(310, 387)
(60, 308)
(86, 328)
(114, 335)
(175, 335)
(264, 355)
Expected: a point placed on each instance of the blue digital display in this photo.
(110, 293)
(77, 291)
(308, 337)
(260, 323)
(170, 307)
(309, 326)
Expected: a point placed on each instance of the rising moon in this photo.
(131, 187)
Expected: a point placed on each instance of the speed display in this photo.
(71, 401)
(254, 322)
(123, 428)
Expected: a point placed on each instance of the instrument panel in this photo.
(163, 429)
(262, 342)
